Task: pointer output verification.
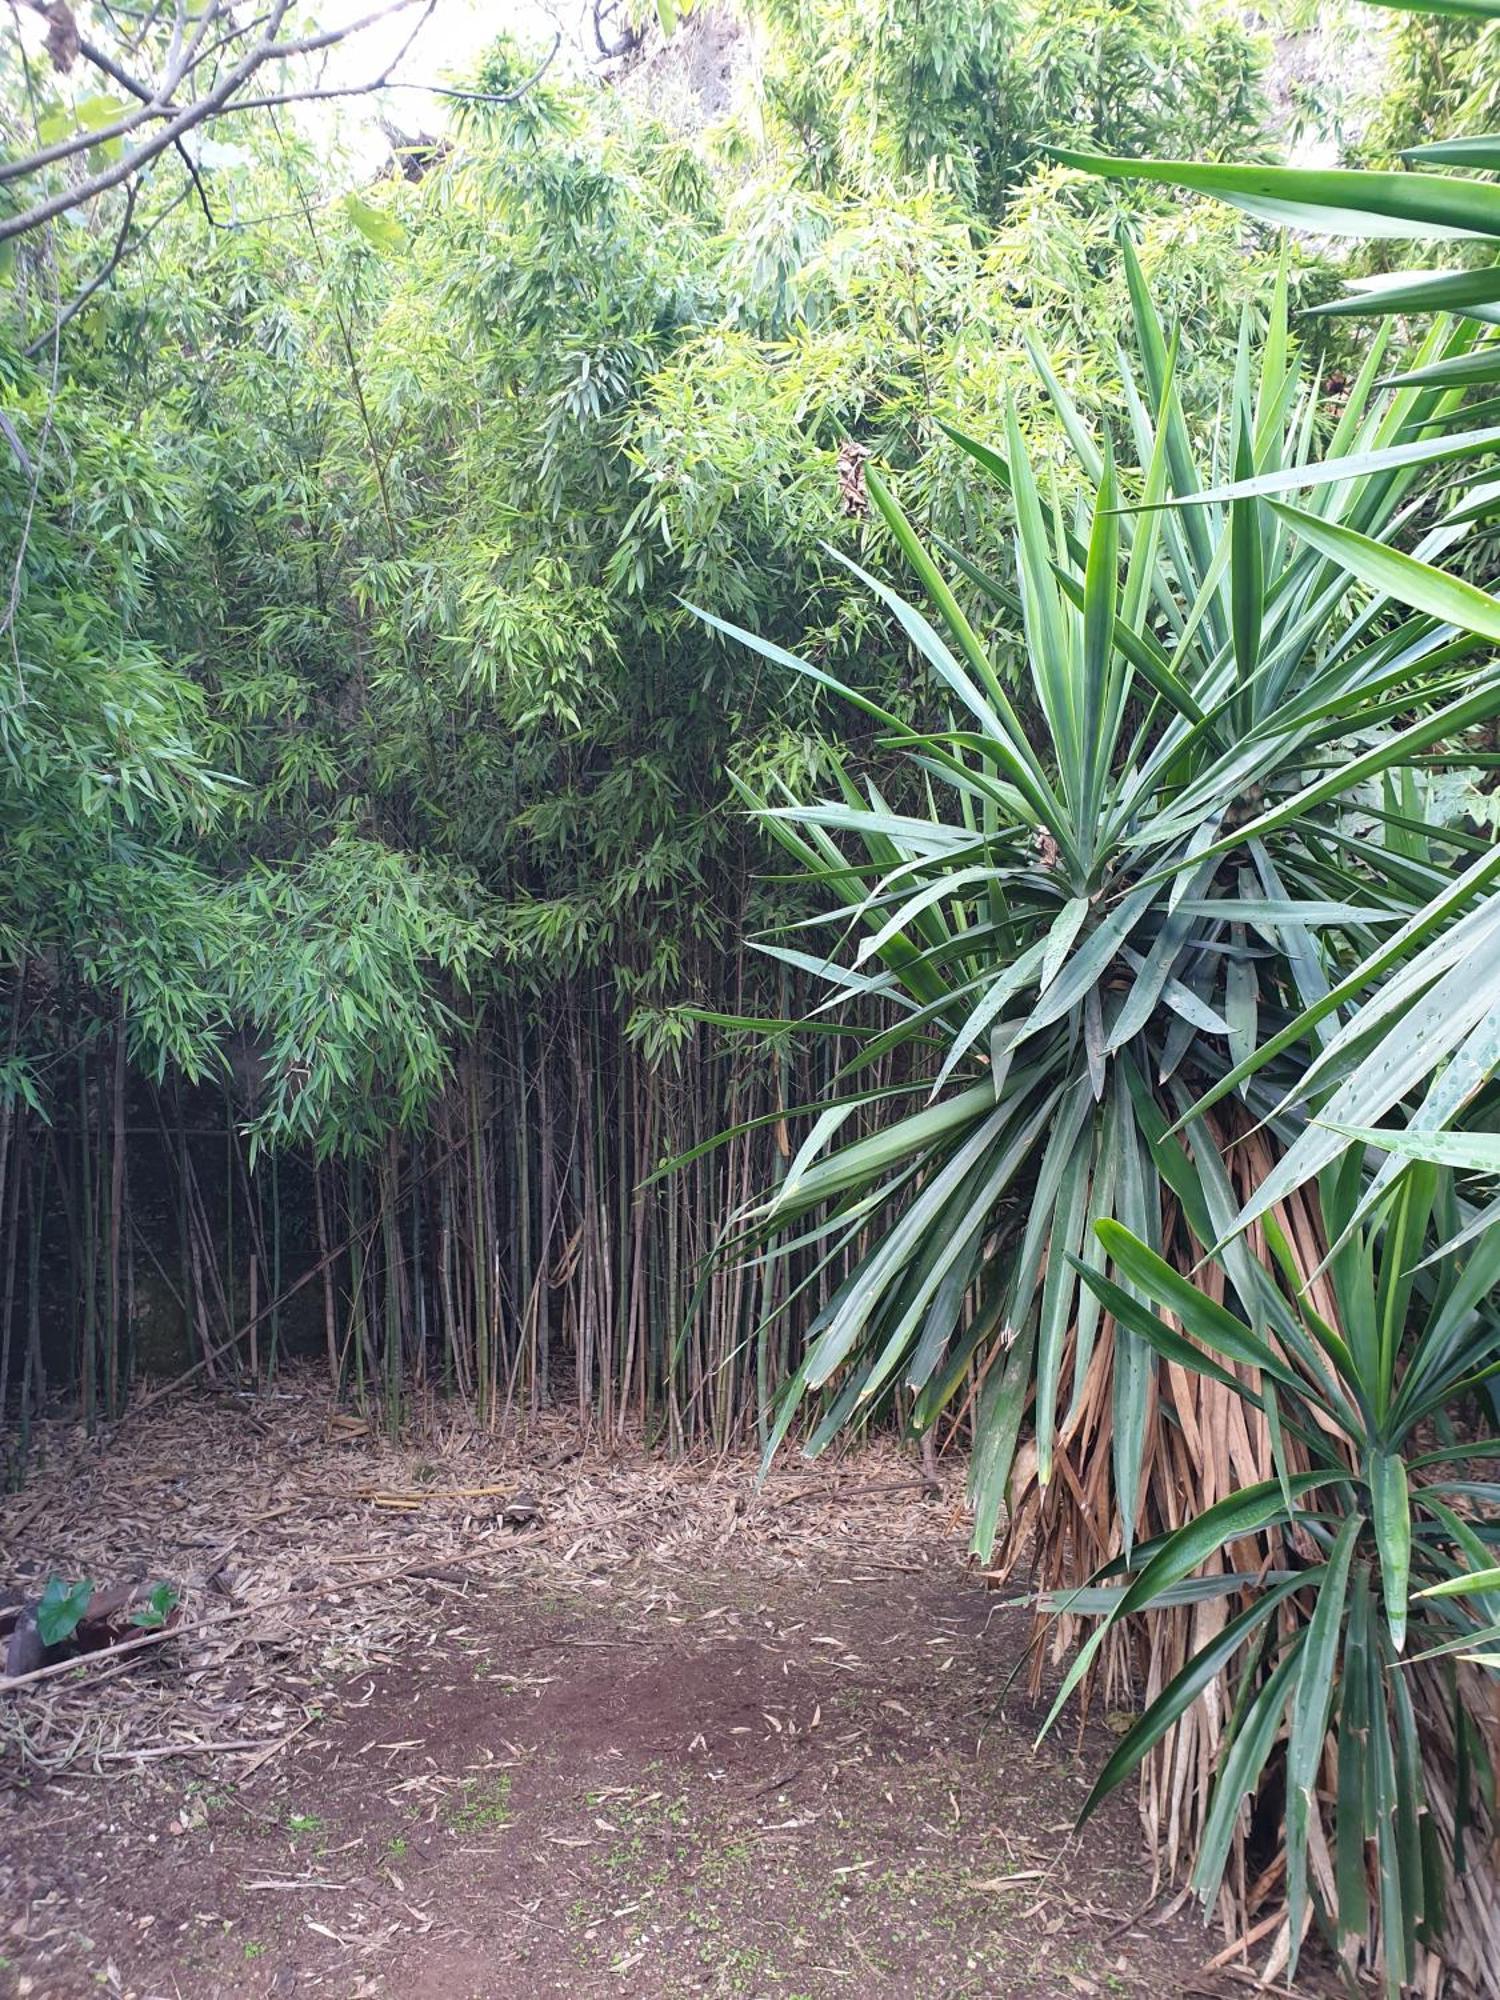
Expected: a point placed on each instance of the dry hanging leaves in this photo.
(854, 498)
(62, 36)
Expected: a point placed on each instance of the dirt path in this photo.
(767, 1763)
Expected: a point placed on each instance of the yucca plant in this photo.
(1088, 936)
(1357, 1663)
(1173, 862)
(1439, 1012)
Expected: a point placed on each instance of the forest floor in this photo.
(672, 1735)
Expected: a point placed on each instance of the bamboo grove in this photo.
(366, 780)
(820, 765)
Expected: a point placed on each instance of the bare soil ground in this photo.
(674, 1736)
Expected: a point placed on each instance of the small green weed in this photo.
(481, 1808)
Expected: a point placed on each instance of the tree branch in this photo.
(80, 299)
(432, 90)
(104, 62)
(154, 103)
(124, 248)
(159, 104)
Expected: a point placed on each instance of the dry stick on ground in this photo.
(223, 1748)
(418, 1495)
(108, 1654)
(855, 1492)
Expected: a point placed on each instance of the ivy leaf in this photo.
(94, 113)
(61, 1607)
(89, 114)
(157, 1609)
(383, 230)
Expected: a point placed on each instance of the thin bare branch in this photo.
(266, 49)
(126, 247)
(155, 103)
(81, 298)
(430, 89)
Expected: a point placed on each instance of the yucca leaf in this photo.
(1481, 364)
(1179, 1554)
(1429, 1030)
(1335, 471)
(1166, 1340)
(1414, 292)
(1241, 1770)
(1186, 1687)
(1049, 648)
(1248, 592)
(982, 454)
(1458, 10)
(1096, 950)
(934, 583)
(1061, 937)
(1482, 150)
(1396, 1899)
(1005, 1396)
(1334, 202)
(1476, 1152)
(1069, 1212)
(1213, 1326)
(1153, 974)
(1388, 1494)
(1441, 596)
(1471, 1582)
(1450, 720)
(1276, 912)
(1096, 1600)
(1100, 675)
(1311, 1707)
(1398, 951)
(1353, 1761)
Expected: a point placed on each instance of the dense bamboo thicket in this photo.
(446, 599)
(367, 770)
(522, 1251)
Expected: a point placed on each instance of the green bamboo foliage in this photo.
(365, 779)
